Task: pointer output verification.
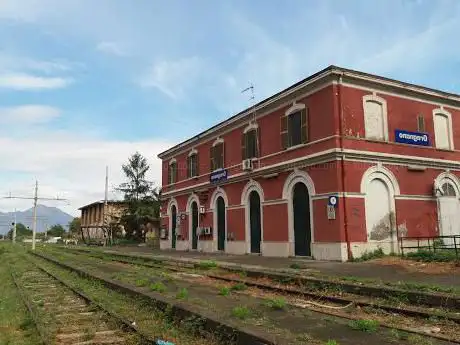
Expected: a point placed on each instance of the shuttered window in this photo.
(420, 123)
(294, 129)
(249, 144)
(192, 165)
(217, 157)
(442, 131)
(172, 173)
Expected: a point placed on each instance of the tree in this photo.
(75, 228)
(56, 231)
(21, 231)
(141, 197)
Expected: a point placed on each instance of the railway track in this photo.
(65, 316)
(314, 300)
(356, 300)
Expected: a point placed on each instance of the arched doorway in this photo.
(194, 225)
(173, 226)
(302, 226)
(255, 221)
(379, 216)
(449, 209)
(220, 223)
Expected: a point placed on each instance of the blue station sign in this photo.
(412, 138)
(218, 176)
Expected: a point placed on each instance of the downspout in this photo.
(342, 161)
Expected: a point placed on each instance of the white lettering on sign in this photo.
(414, 137)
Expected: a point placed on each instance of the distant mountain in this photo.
(46, 216)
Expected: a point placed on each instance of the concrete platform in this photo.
(359, 270)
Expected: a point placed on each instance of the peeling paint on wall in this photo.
(402, 229)
(384, 228)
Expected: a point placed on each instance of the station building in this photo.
(337, 164)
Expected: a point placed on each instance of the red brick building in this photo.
(337, 164)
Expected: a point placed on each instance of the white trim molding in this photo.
(379, 171)
(376, 99)
(295, 177)
(386, 176)
(250, 127)
(449, 178)
(295, 108)
(193, 152)
(172, 202)
(172, 161)
(218, 141)
(252, 186)
(441, 111)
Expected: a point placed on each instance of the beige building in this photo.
(92, 217)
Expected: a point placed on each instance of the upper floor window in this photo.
(172, 172)
(250, 142)
(375, 117)
(443, 129)
(192, 164)
(217, 155)
(421, 123)
(294, 126)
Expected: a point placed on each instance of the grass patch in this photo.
(158, 287)
(207, 264)
(416, 339)
(368, 326)
(241, 312)
(182, 294)
(142, 282)
(278, 303)
(295, 266)
(375, 254)
(438, 256)
(331, 342)
(224, 291)
(239, 287)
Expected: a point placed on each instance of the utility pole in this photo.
(14, 227)
(35, 199)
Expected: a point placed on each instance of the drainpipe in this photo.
(342, 161)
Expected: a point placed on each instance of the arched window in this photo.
(192, 164)
(448, 189)
(294, 126)
(443, 129)
(375, 117)
(250, 142)
(217, 155)
(172, 172)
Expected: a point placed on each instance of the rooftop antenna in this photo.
(253, 120)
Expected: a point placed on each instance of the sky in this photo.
(84, 84)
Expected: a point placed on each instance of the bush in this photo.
(241, 312)
(369, 326)
(182, 294)
(278, 303)
(224, 291)
(158, 287)
(438, 256)
(375, 254)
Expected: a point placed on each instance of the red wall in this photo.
(276, 223)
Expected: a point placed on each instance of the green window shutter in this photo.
(176, 173)
(304, 125)
(222, 155)
(211, 165)
(189, 168)
(258, 142)
(243, 146)
(284, 132)
(197, 170)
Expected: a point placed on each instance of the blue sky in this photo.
(85, 83)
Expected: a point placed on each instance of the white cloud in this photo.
(28, 114)
(23, 81)
(173, 77)
(112, 48)
(69, 165)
